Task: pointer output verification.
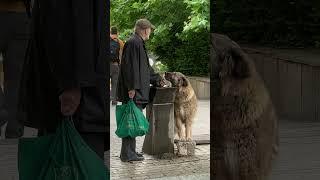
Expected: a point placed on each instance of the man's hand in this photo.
(132, 93)
(70, 100)
(162, 82)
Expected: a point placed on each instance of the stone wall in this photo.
(201, 86)
(293, 80)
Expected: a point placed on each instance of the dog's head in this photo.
(177, 79)
(228, 59)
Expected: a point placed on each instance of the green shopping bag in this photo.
(62, 156)
(130, 121)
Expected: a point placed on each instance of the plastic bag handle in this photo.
(70, 119)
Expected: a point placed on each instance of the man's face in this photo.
(114, 35)
(147, 33)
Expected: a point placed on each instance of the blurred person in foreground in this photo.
(14, 34)
(65, 70)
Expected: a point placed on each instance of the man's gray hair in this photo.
(143, 24)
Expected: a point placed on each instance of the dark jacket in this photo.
(136, 72)
(67, 50)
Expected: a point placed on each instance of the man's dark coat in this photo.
(68, 50)
(136, 72)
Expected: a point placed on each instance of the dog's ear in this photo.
(241, 67)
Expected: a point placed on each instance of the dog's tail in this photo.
(231, 160)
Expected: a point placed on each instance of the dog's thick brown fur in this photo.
(185, 104)
(245, 133)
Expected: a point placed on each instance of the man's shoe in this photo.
(16, 133)
(139, 154)
(138, 158)
(13, 136)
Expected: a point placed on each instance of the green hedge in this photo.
(294, 23)
(190, 57)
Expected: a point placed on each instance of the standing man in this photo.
(135, 78)
(116, 48)
(65, 70)
(14, 36)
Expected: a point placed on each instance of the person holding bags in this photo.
(135, 78)
(65, 69)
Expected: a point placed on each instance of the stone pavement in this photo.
(298, 159)
(197, 167)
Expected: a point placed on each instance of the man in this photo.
(65, 70)
(135, 78)
(116, 48)
(13, 43)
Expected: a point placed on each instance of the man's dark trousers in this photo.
(14, 36)
(128, 147)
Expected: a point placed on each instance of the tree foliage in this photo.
(180, 40)
(293, 23)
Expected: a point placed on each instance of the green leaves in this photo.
(199, 17)
(181, 35)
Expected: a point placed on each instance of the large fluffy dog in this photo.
(245, 133)
(185, 104)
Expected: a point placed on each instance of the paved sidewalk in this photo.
(298, 159)
(197, 167)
